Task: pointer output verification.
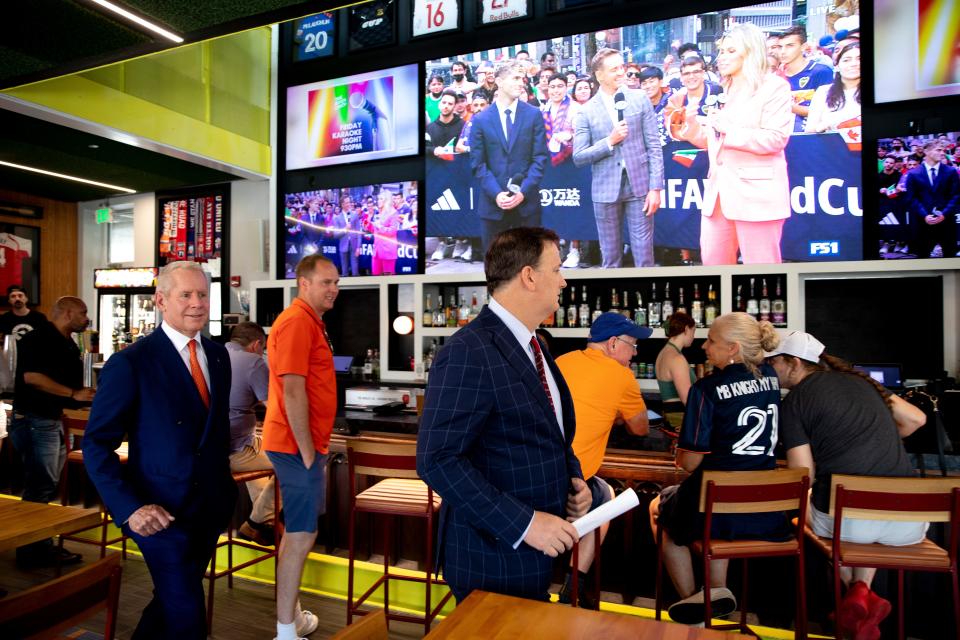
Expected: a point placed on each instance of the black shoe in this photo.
(257, 532)
(48, 557)
(691, 610)
(584, 600)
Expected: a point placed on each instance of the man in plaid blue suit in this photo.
(616, 133)
(498, 423)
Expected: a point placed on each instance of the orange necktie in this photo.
(197, 374)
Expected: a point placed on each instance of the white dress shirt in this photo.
(181, 344)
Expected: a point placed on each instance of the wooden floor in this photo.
(245, 612)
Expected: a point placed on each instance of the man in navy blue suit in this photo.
(933, 192)
(508, 153)
(168, 396)
(498, 423)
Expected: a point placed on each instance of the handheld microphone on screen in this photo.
(620, 104)
(359, 102)
(715, 103)
(513, 184)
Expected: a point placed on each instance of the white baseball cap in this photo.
(799, 344)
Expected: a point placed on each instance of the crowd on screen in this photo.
(824, 83)
(919, 196)
(351, 218)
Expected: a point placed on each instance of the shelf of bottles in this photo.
(648, 302)
(448, 307)
(764, 296)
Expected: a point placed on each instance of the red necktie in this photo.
(538, 358)
(197, 373)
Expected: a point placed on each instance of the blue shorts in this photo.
(600, 490)
(303, 491)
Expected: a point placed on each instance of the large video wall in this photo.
(350, 125)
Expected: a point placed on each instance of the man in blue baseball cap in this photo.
(604, 393)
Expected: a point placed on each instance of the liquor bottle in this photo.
(596, 311)
(753, 308)
(463, 314)
(614, 301)
(561, 316)
(711, 310)
(764, 301)
(738, 303)
(376, 364)
(681, 305)
(368, 366)
(439, 315)
(474, 309)
(584, 312)
(452, 311)
(572, 309)
(625, 309)
(653, 308)
(778, 309)
(428, 312)
(640, 313)
(666, 309)
(696, 307)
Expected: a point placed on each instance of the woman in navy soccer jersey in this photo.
(730, 424)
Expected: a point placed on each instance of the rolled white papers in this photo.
(606, 512)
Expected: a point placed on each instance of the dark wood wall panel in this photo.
(59, 247)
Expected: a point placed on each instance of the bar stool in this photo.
(401, 493)
(74, 427)
(747, 492)
(242, 477)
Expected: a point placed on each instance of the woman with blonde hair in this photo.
(747, 194)
(730, 424)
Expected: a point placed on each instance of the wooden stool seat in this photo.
(925, 554)
(748, 548)
(399, 496)
(266, 553)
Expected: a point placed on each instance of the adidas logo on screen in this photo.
(890, 219)
(446, 202)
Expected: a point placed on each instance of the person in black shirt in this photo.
(20, 319)
(49, 378)
(445, 128)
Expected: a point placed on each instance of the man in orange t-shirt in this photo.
(301, 405)
(604, 391)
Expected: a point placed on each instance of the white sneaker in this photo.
(884, 248)
(441, 249)
(573, 259)
(467, 255)
(937, 252)
(458, 248)
(306, 623)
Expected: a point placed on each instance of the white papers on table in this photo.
(607, 512)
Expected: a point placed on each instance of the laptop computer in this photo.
(889, 375)
(342, 364)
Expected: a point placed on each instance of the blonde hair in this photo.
(753, 337)
(748, 37)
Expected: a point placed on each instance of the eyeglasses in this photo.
(633, 74)
(688, 74)
(627, 342)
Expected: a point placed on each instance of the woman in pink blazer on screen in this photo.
(384, 226)
(747, 194)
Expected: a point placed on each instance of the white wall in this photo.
(251, 250)
(93, 239)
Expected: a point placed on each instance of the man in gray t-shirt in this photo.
(248, 388)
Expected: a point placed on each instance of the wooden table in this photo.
(491, 616)
(25, 522)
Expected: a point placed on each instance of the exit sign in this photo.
(104, 215)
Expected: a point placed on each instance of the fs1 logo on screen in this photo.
(823, 248)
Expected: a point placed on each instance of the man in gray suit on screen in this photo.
(616, 133)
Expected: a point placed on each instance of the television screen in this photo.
(773, 175)
(363, 117)
(916, 49)
(368, 230)
(919, 204)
